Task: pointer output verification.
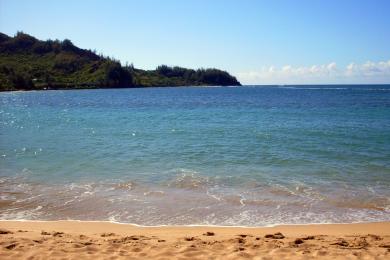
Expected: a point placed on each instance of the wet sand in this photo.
(104, 240)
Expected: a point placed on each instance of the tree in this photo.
(116, 76)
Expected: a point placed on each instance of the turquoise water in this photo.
(250, 156)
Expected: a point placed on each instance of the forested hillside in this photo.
(27, 63)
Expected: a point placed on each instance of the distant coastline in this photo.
(92, 87)
(386, 87)
(27, 63)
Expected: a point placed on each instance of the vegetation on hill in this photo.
(27, 63)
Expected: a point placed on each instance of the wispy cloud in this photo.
(369, 72)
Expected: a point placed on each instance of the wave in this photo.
(378, 204)
(188, 197)
(128, 185)
(189, 179)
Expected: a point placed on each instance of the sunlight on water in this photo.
(224, 156)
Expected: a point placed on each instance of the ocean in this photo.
(231, 156)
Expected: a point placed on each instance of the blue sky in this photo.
(264, 42)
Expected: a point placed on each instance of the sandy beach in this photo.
(104, 240)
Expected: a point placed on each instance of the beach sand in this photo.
(104, 240)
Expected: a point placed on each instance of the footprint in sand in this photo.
(5, 232)
(107, 234)
(277, 235)
(11, 246)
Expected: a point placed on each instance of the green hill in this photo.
(27, 63)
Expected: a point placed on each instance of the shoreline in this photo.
(70, 239)
(385, 222)
(380, 227)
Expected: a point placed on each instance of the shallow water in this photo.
(248, 156)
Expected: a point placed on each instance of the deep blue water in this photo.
(224, 156)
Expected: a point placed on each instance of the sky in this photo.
(258, 41)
